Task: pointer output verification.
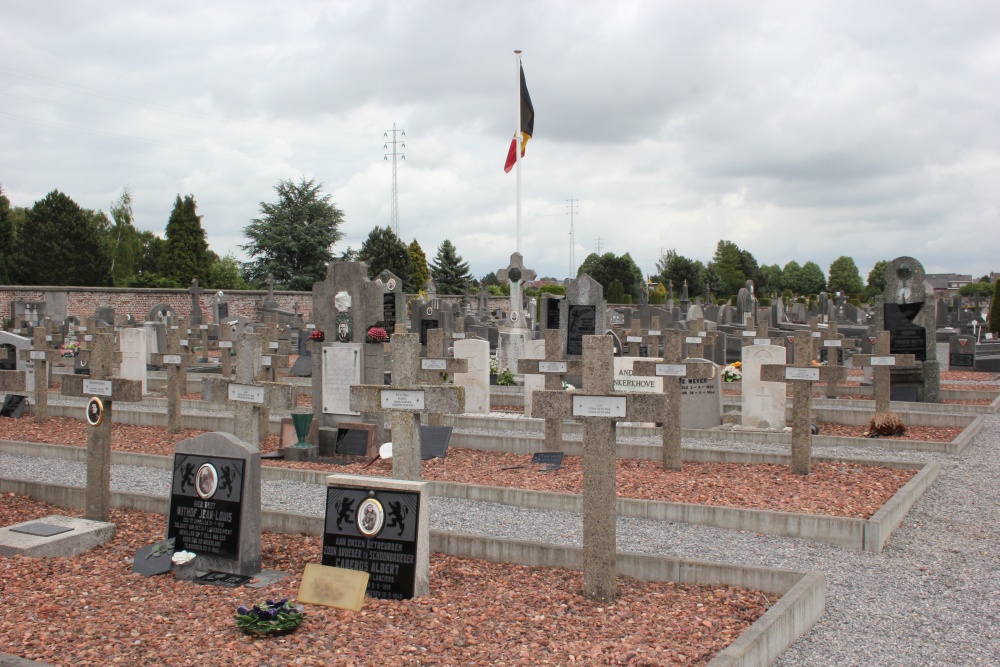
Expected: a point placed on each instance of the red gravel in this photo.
(90, 610)
(922, 433)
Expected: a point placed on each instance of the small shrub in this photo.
(506, 378)
(885, 425)
(764, 302)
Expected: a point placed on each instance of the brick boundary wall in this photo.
(83, 302)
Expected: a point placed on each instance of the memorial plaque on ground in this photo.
(352, 441)
(905, 337)
(154, 559)
(434, 442)
(581, 321)
(13, 406)
(375, 532)
(205, 504)
(223, 579)
(548, 458)
(40, 529)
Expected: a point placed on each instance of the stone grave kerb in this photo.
(405, 401)
(673, 369)
(107, 389)
(802, 375)
(600, 408)
(517, 275)
(882, 362)
(227, 445)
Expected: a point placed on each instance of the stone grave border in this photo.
(851, 533)
(803, 592)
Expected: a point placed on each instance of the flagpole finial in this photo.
(517, 51)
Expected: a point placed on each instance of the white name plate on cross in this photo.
(184, 342)
(703, 334)
(655, 332)
(832, 343)
(246, 393)
(81, 328)
(883, 361)
(693, 340)
(265, 361)
(225, 343)
(434, 364)
(599, 406)
(310, 326)
(748, 334)
(48, 339)
(273, 345)
(816, 334)
(172, 359)
(458, 336)
(395, 399)
(97, 387)
(552, 367)
(633, 339)
(88, 338)
(37, 354)
(672, 370)
(793, 373)
(761, 341)
(203, 327)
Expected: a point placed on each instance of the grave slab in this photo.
(83, 536)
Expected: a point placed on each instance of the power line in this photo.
(598, 241)
(571, 210)
(394, 206)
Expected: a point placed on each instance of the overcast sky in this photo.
(798, 130)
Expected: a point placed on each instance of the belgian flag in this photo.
(527, 126)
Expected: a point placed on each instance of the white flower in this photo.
(182, 557)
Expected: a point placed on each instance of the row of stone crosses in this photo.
(349, 376)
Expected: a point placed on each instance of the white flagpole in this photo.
(517, 149)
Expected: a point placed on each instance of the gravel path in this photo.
(931, 598)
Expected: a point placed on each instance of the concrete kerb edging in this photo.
(803, 592)
(7, 660)
(846, 532)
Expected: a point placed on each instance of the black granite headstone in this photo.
(906, 393)
(424, 326)
(13, 406)
(548, 458)
(352, 441)
(205, 504)
(40, 529)
(154, 559)
(389, 312)
(81, 366)
(223, 310)
(580, 321)
(375, 532)
(824, 355)
(552, 317)
(956, 360)
(905, 337)
(434, 441)
(223, 579)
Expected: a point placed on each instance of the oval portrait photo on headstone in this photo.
(370, 517)
(207, 481)
(95, 411)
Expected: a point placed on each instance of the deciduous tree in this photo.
(608, 267)
(844, 276)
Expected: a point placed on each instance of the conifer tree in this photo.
(6, 239)
(186, 255)
(419, 273)
(65, 247)
(384, 250)
(450, 273)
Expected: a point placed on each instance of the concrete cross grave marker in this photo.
(405, 400)
(834, 344)
(600, 408)
(104, 390)
(175, 361)
(435, 365)
(517, 275)
(882, 363)
(554, 367)
(195, 291)
(653, 337)
(673, 369)
(760, 336)
(697, 338)
(226, 348)
(802, 375)
(41, 358)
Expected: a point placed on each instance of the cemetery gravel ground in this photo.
(91, 610)
(833, 488)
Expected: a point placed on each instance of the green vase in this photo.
(302, 421)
